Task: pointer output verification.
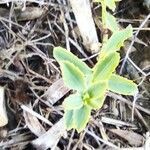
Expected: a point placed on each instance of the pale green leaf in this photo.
(116, 41)
(81, 117)
(97, 103)
(68, 119)
(122, 85)
(72, 76)
(61, 54)
(73, 101)
(105, 67)
(97, 89)
(111, 23)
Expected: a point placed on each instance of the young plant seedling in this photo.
(90, 85)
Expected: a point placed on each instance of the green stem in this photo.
(104, 12)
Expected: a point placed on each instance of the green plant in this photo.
(90, 85)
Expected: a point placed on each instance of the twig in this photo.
(101, 140)
(116, 122)
(25, 108)
(128, 102)
(40, 76)
(130, 47)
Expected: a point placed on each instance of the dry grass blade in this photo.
(27, 109)
(3, 113)
(18, 141)
(56, 91)
(147, 143)
(51, 137)
(116, 122)
(33, 124)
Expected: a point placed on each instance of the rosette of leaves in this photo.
(89, 85)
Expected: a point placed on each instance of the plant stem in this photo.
(104, 12)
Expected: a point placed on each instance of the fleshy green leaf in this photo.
(61, 54)
(122, 85)
(72, 76)
(105, 67)
(74, 101)
(116, 41)
(68, 119)
(111, 23)
(97, 89)
(97, 103)
(81, 117)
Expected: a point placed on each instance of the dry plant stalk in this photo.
(3, 113)
(83, 15)
(51, 137)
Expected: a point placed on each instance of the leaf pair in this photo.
(103, 71)
(76, 113)
(77, 118)
(95, 94)
(78, 106)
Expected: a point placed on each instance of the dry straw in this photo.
(3, 113)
